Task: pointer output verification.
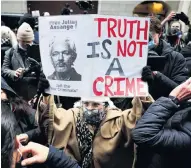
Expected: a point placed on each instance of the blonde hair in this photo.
(6, 32)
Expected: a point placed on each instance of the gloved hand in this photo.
(43, 84)
(147, 74)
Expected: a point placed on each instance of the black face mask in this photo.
(174, 31)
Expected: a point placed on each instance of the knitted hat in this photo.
(25, 32)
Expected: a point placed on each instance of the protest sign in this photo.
(94, 55)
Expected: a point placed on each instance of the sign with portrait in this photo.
(94, 55)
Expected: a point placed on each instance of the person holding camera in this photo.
(174, 34)
(16, 62)
(173, 72)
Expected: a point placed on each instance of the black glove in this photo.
(147, 74)
(43, 84)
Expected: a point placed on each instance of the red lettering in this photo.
(132, 43)
(108, 84)
(100, 20)
(124, 29)
(140, 86)
(119, 92)
(130, 86)
(132, 22)
(96, 92)
(112, 23)
(144, 29)
(141, 47)
(119, 48)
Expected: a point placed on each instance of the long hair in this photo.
(8, 125)
(19, 106)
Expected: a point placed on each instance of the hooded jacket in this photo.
(174, 73)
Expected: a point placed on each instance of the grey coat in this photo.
(25, 87)
(12, 61)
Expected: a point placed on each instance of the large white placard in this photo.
(94, 55)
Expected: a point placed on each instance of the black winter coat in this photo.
(58, 159)
(163, 136)
(175, 71)
(186, 52)
(26, 120)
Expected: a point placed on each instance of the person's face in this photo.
(175, 25)
(93, 106)
(3, 95)
(61, 58)
(155, 37)
(24, 44)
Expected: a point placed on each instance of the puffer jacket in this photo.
(163, 135)
(174, 72)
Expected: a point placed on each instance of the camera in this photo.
(183, 17)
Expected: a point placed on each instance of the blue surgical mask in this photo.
(151, 44)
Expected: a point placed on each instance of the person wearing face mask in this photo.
(174, 36)
(94, 133)
(16, 62)
(173, 72)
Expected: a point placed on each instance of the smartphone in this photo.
(156, 63)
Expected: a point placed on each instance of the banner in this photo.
(94, 55)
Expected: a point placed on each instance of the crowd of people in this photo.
(96, 132)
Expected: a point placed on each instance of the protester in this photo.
(16, 62)
(174, 70)
(95, 132)
(27, 128)
(165, 128)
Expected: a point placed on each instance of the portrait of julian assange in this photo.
(63, 55)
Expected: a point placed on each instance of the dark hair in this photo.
(155, 25)
(19, 106)
(8, 133)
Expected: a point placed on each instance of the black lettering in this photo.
(111, 67)
(93, 55)
(106, 50)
